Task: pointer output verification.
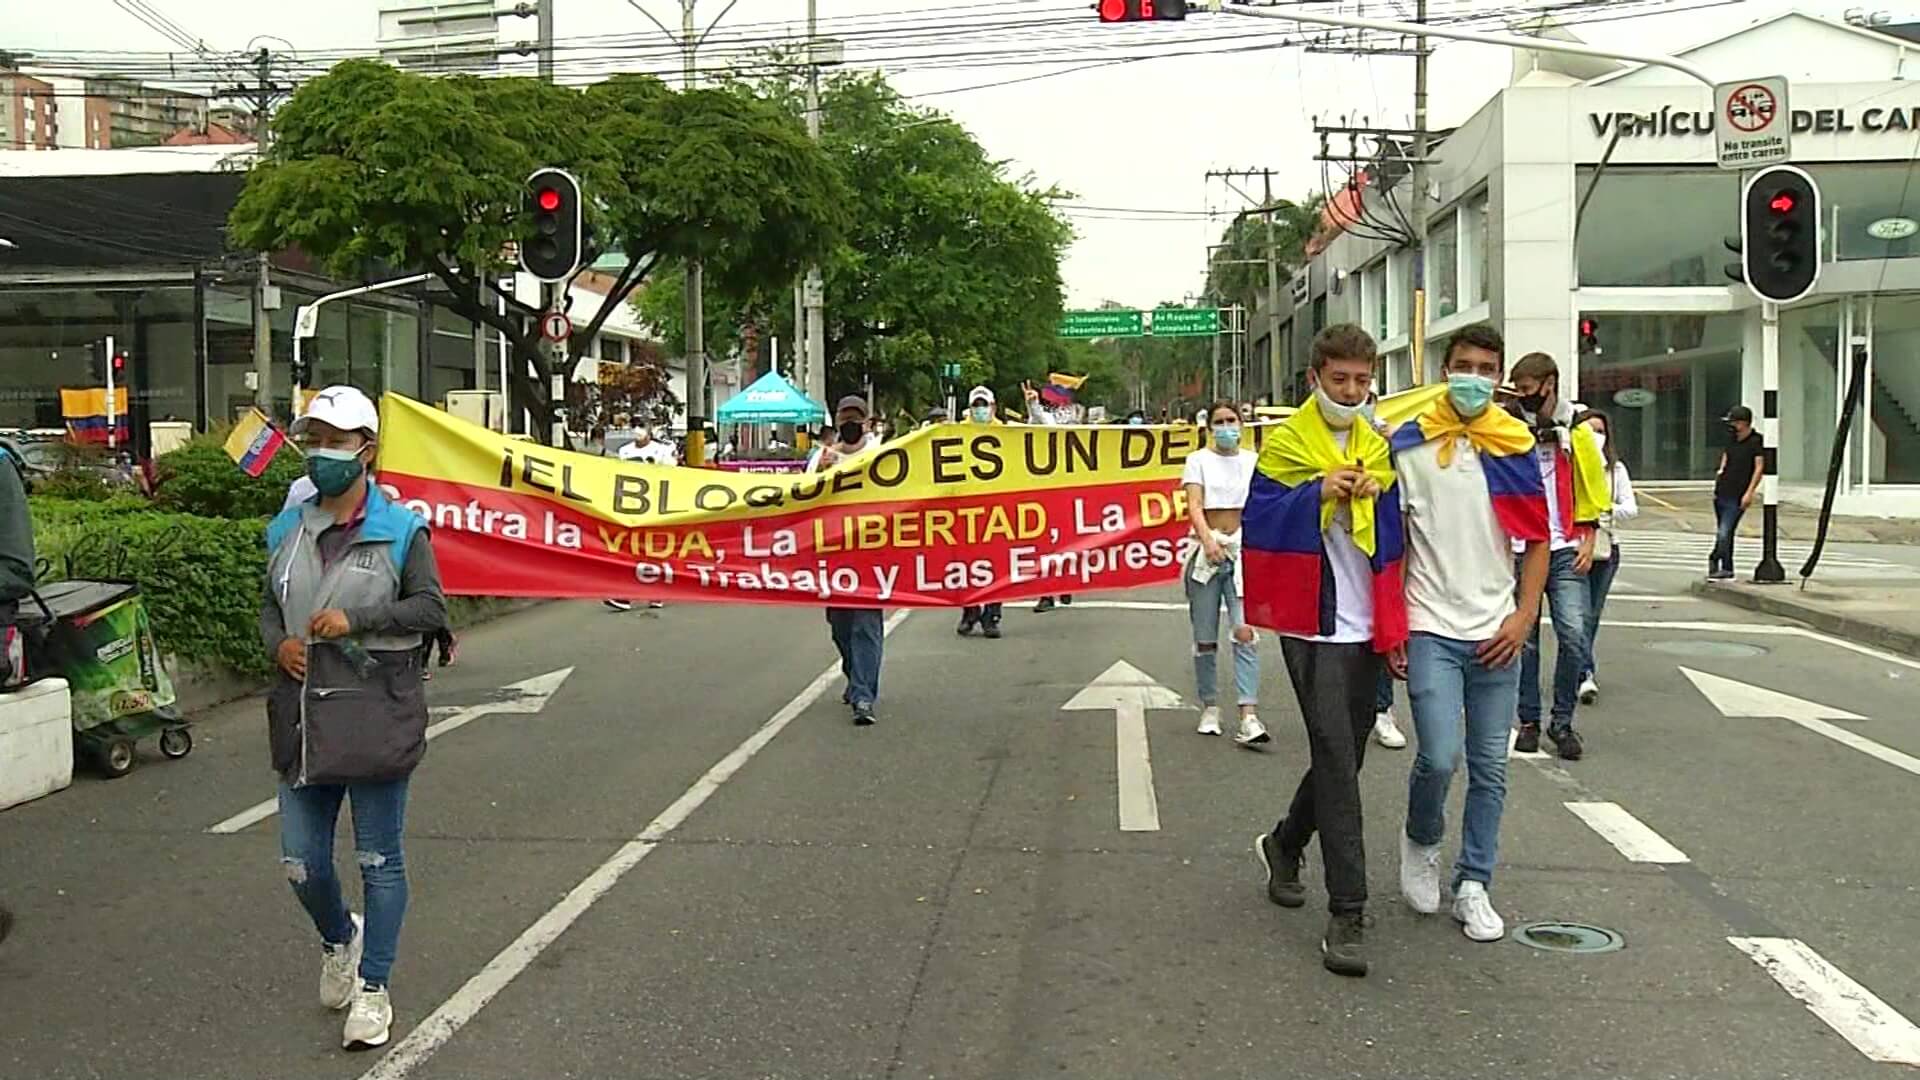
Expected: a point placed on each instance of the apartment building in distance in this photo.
(28, 112)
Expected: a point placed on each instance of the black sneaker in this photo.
(1066, 601)
(1566, 743)
(1344, 948)
(1283, 872)
(862, 715)
(991, 630)
(1043, 606)
(1528, 741)
(1719, 575)
(966, 627)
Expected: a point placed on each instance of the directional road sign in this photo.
(1751, 124)
(1113, 322)
(1185, 322)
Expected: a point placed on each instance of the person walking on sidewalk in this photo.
(1742, 464)
(1622, 507)
(1468, 487)
(1573, 474)
(352, 588)
(859, 633)
(980, 410)
(1323, 563)
(1215, 481)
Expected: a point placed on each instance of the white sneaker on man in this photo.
(1210, 720)
(1252, 732)
(369, 1021)
(340, 968)
(1589, 691)
(1386, 732)
(1419, 875)
(1474, 910)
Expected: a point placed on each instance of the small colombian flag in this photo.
(253, 442)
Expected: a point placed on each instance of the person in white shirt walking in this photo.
(1040, 414)
(1216, 479)
(1606, 555)
(646, 449)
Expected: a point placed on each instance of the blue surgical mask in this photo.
(1136, 420)
(1470, 394)
(1226, 436)
(333, 472)
(981, 413)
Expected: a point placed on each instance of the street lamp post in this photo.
(306, 321)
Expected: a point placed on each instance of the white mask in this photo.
(1600, 440)
(1338, 417)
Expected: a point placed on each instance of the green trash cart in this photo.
(96, 635)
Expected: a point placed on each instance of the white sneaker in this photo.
(1589, 691)
(1252, 731)
(369, 1021)
(655, 605)
(1210, 720)
(1475, 913)
(1419, 875)
(340, 968)
(1386, 732)
(618, 605)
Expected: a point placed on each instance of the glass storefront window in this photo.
(1666, 379)
(451, 355)
(46, 339)
(1809, 390)
(1376, 293)
(1858, 196)
(1656, 226)
(1443, 268)
(1895, 433)
(1478, 244)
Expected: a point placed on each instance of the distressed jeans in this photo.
(859, 634)
(1445, 680)
(1204, 601)
(307, 819)
(1566, 600)
(1599, 584)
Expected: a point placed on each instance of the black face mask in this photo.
(1532, 403)
(852, 432)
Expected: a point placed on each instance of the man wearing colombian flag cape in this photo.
(1323, 560)
(1469, 489)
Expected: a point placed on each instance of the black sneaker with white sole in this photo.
(863, 715)
(1344, 948)
(1283, 872)
(1566, 743)
(1528, 741)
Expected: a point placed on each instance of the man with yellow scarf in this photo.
(1574, 474)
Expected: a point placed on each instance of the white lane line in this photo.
(1871, 1025)
(1653, 598)
(1769, 629)
(460, 1009)
(1628, 834)
(1859, 742)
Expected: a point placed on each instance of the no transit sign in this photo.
(1751, 124)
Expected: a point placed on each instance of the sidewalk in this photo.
(1881, 615)
(1692, 511)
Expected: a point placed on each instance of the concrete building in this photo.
(137, 114)
(29, 112)
(1589, 191)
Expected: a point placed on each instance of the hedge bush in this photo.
(199, 478)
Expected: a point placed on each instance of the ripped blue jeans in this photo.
(1204, 603)
(307, 817)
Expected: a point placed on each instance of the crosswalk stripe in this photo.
(1874, 1028)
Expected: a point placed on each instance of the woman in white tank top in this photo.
(1216, 480)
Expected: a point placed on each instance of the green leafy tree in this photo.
(375, 167)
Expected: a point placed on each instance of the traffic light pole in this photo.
(1770, 572)
(814, 290)
(696, 314)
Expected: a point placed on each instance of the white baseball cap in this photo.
(342, 407)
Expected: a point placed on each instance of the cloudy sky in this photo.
(1127, 118)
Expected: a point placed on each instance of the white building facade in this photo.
(1566, 199)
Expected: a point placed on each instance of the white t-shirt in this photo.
(1352, 576)
(1459, 567)
(1223, 478)
(1546, 454)
(655, 452)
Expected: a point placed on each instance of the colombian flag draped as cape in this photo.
(1289, 584)
(1505, 446)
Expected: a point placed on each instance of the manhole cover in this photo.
(1713, 650)
(1569, 937)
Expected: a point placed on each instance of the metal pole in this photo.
(1273, 292)
(113, 413)
(1216, 356)
(543, 17)
(1770, 572)
(1417, 206)
(262, 311)
(815, 293)
(696, 313)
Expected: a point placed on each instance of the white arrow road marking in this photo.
(1129, 692)
(1626, 833)
(1871, 1025)
(1734, 698)
(533, 696)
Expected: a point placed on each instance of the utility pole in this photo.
(815, 289)
(1272, 261)
(696, 315)
(543, 18)
(551, 296)
(1417, 205)
(266, 298)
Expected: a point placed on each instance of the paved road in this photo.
(948, 894)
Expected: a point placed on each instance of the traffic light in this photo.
(1115, 11)
(120, 366)
(553, 247)
(1780, 234)
(1589, 337)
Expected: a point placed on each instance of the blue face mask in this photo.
(981, 413)
(1471, 394)
(1136, 420)
(333, 471)
(1226, 436)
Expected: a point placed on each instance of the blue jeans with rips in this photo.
(1445, 680)
(1204, 601)
(1566, 599)
(307, 817)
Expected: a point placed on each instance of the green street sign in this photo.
(1186, 322)
(951, 371)
(1113, 322)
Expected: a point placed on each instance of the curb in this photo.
(1779, 601)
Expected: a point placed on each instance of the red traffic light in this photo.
(1113, 10)
(548, 199)
(119, 361)
(1782, 203)
(1588, 327)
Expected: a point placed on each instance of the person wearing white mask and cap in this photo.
(980, 405)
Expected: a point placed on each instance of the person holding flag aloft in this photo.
(1323, 548)
(1048, 406)
(1469, 487)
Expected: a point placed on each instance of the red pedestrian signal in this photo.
(1780, 234)
(549, 199)
(119, 361)
(1114, 11)
(555, 244)
(1782, 203)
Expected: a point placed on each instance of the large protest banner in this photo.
(944, 516)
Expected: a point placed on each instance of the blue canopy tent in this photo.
(771, 400)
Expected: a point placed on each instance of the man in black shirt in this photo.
(1741, 464)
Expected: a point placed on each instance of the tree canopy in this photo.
(373, 169)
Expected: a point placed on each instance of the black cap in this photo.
(1739, 412)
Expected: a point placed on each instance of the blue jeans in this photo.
(307, 817)
(1444, 680)
(1383, 693)
(1566, 599)
(1204, 601)
(1599, 583)
(859, 634)
(1726, 523)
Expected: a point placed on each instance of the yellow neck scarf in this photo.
(1303, 450)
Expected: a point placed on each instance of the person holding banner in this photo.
(1044, 409)
(1215, 481)
(1323, 554)
(1468, 487)
(980, 408)
(859, 633)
